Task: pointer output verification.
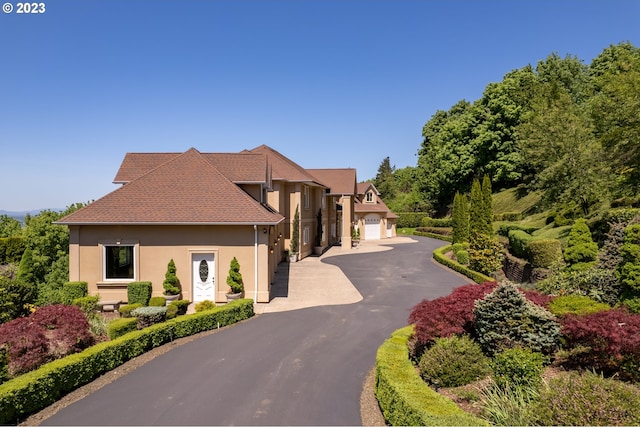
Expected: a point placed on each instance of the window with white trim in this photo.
(305, 235)
(369, 196)
(119, 262)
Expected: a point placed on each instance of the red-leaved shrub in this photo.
(26, 344)
(607, 341)
(448, 315)
(49, 333)
(67, 329)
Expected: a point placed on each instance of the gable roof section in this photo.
(378, 207)
(363, 187)
(284, 169)
(339, 181)
(238, 167)
(187, 189)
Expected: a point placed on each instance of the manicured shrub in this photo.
(581, 252)
(148, 316)
(587, 399)
(87, 304)
(506, 319)
(139, 292)
(463, 257)
(485, 254)
(26, 344)
(118, 327)
(157, 302)
(519, 243)
(606, 341)
(172, 311)
(182, 305)
(457, 247)
(66, 329)
(205, 305)
(453, 361)
(435, 222)
(517, 367)
(504, 229)
(234, 279)
(508, 216)
(125, 310)
(171, 282)
(544, 252)
(73, 290)
(576, 304)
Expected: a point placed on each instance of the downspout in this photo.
(255, 272)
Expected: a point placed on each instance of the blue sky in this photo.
(341, 83)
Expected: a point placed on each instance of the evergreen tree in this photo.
(385, 182)
(171, 283)
(460, 218)
(581, 252)
(25, 271)
(234, 280)
(488, 205)
(476, 209)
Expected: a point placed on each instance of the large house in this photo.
(202, 210)
(373, 218)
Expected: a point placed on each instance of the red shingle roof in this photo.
(283, 168)
(186, 189)
(238, 167)
(339, 181)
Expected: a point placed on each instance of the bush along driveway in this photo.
(301, 367)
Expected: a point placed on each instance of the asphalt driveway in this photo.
(302, 366)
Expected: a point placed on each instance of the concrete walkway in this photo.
(313, 283)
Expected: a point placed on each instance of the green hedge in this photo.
(405, 399)
(433, 235)
(544, 252)
(519, 243)
(439, 255)
(37, 389)
(74, 290)
(118, 327)
(139, 292)
(436, 222)
(410, 219)
(504, 229)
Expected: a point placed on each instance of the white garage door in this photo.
(372, 227)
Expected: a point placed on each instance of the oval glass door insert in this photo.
(204, 270)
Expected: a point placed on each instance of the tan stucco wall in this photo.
(156, 245)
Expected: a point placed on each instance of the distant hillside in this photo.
(20, 215)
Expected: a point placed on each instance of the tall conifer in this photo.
(460, 218)
(488, 205)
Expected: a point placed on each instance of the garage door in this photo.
(372, 227)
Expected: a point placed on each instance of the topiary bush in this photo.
(157, 302)
(139, 292)
(519, 243)
(581, 252)
(172, 311)
(182, 305)
(148, 316)
(171, 282)
(118, 327)
(517, 367)
(74, 290)
(485, 254)
(88, 305)
(453, 361)
(234, 279)
(606, 341)
(463, 257)
(587, 399)
(544, 252)
(205, 305)
(506, 319)
(125, 310)
(576, 304)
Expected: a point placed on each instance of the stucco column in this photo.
(347, 220)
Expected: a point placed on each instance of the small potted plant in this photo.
(355, 236)
(295, 237)
(171, 283)
(234, 280)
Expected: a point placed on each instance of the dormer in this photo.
(368, 193)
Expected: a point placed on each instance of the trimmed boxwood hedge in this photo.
(405, 399)
(439, 255)
(433, 235)
(37, 389)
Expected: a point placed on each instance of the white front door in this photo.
(203, 273)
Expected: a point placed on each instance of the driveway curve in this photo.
(292, 365)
